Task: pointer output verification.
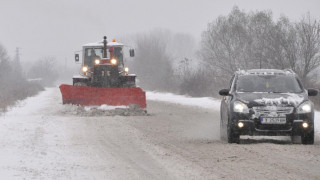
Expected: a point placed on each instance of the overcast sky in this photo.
(59, 27)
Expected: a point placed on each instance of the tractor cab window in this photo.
(118, 54)
(92, 54)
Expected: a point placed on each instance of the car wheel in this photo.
(222, 130)
(307, 138)
(295, 139)
(232, 136)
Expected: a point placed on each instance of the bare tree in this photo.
(253, 40)
(236, 41)
(5, 67)
(308, 33)
(13, 86)
(45, 69)
(152, 63)
(286, 37)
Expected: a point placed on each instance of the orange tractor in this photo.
(104, 78)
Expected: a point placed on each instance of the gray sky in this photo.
(60, 27)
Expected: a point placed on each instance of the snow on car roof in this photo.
(114, 44)
(265, 72)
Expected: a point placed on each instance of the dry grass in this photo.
(12, 92)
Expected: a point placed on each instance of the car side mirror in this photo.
(312, 92)
(76, 57)
(224, 92)
(131, 51)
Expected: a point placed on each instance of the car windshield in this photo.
(268, 83)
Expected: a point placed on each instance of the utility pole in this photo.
(17, 64)
(260, 62)
(17, 59)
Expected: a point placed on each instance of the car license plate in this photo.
(273, 120)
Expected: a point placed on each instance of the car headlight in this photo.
(97, 61)
(305, 107)
(84, 68)
(240, 107)
(113, 61)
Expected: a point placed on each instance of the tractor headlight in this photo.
(84, 68)
(240, 107)
(97, 61)
(305, 107)
(113, 61)
(126, 69)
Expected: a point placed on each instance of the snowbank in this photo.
(204, 102)
(317, 122)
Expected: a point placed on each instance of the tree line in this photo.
(243, 40)
(13, 84)
(174, 62)
(239, 40)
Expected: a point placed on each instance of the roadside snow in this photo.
(203, 102)
(317, 122)
(29, 105)
(42, 139)
(103, 107)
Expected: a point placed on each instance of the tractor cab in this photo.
(103, 65)
(102, 53)
(90, 54)
(95, 51)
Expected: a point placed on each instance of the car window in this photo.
(268, 83)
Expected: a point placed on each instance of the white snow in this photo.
(317, 122)
(291, 99)
(203, 102)
(29, 106)
(99, 44)
(80, 76)
(103, 107)
(212, 103)
(40, 141)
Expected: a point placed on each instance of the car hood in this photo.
(271, 99)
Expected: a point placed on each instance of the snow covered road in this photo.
(42, 139)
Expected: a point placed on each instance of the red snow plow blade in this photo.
(88, 96)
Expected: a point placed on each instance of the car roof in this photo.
(265, 72)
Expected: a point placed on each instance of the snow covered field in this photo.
(179, 139)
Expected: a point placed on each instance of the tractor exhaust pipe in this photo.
(105, 42)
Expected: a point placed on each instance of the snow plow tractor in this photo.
(104, 79)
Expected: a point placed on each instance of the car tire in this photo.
(232, 136)
(308, 137)
(222, 130)
(296, 139)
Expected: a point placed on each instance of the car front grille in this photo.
(272, 110)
